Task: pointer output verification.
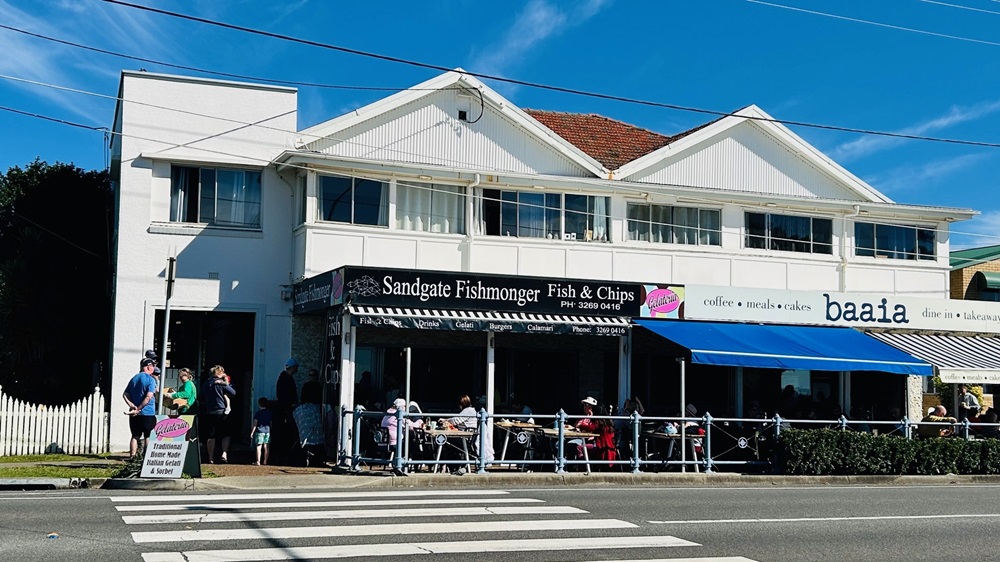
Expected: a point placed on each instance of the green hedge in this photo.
(831, 451)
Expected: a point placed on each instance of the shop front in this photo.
(435, 336)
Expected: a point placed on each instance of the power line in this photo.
(548, 87)
(970, 8)
(53, 119)
(200, 70)
(868, 22)
(595, 182)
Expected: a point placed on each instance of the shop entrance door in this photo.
(199, 340)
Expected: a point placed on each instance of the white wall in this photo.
(251, 266)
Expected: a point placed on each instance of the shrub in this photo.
(830, 451)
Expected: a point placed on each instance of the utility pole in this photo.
(170, 275)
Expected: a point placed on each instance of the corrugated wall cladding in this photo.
(749, 160)
(428, 131)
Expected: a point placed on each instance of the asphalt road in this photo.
(904, 523)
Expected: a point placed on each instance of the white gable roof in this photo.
(420, 125)
(749, 152)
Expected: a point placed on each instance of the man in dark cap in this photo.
(141, 405)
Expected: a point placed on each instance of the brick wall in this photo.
(961, 280)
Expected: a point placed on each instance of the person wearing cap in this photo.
(390, 423)
(139, 396)
(585, 424)
(283, 432)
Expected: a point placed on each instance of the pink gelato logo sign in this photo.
(662, 301)
(170, 428)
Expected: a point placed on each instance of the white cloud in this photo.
(119, 29)
(870, 144)
(539, 21)
(910, 177)
(982, 230)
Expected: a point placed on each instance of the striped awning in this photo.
(484, 321)
(958, 359)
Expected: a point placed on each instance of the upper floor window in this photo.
(674, 225)
(430, 208)
(789, 233)
(353, 200)
(216, 196)
(529, 214)
(893, 242)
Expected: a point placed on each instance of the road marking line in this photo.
(411, 549)
(348, 503)
(306, 495)
(707, 559)
(347, 514)
(375, 530)
(819, 519)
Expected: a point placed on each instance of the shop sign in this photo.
(857, 310)
(166, 447)
(316, 293)
(466, 291)
(484, 325)
(334, 342)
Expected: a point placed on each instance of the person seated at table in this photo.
(603, 446)
(623, 426)
(940, 415)
(391, 424)
(522, 410)
(466, 418)
(585, 424)
(989, 431)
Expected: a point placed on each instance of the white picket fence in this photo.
(34, 429)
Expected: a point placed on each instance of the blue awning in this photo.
(772, 346)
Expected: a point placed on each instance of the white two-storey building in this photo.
(449, 184)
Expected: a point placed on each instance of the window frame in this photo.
(672, 225)
(506, 208)
(381, 215)
(769, 241)
(884, 253)
(197, 195)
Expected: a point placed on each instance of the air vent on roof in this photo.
(213, 274)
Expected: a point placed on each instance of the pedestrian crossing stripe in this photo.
(345, 503)
(304, 495)
(348, 514)
(417, 548)
(376, 530)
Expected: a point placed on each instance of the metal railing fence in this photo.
(713, 442)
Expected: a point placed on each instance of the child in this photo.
(260, 432)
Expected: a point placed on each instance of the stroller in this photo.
(312, 442)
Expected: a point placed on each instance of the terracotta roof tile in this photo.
(610, 142)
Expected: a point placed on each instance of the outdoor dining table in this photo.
(440, 438)
(673, 438)
(515, 428)
(552, 433)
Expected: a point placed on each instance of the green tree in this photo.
(55, 280)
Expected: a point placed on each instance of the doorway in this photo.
(200, 340)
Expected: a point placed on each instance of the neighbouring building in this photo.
(507, 251)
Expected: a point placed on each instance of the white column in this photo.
(347, 376)
(490, 385)
(624, 368)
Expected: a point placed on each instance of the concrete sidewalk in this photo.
(249, 477)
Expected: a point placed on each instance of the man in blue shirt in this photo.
(141, 405)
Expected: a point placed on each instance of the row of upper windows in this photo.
(232, 198)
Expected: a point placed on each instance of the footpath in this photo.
(249, 477)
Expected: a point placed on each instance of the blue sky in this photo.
(918, 67)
